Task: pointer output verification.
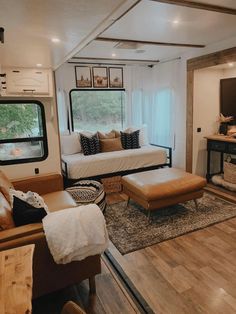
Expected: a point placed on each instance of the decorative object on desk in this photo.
(83, 76)
(129, 230)
(100, 78)
(223, 129)
(232, 130)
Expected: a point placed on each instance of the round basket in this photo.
(230, 172)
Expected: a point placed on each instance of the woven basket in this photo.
(230, 172)
(112, 184)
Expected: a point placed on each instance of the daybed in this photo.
(47, 275)
(76, 165)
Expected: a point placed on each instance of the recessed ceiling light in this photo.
(175, 22)
(55, 40)
(113, 55)
(230, 64)
(39, 65)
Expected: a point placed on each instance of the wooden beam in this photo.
(114, 59)
(200, 6)
(145, 42)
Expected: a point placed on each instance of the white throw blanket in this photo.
(75, 233)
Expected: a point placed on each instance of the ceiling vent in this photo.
(1, 34)
(127, 45)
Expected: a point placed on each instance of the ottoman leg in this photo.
(196, 203)
(127, 204)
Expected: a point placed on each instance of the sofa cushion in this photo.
(5, 185)
(58, 200)
(90, 145)
(110, 145)
(70, 144)
(24, 213)
(109, 135)
(6, 220)
(130, 140)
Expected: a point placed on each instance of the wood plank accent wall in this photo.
(212, 59)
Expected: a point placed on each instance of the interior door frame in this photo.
(205, 61)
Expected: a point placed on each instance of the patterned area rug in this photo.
(130, 231)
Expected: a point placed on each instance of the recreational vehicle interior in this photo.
(117, 156)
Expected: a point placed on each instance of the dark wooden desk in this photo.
(223, 145)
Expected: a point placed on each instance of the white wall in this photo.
(206, 109)
(52, 163)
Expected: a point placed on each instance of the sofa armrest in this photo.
(19, 232)
(42, 184)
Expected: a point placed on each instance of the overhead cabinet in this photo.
(28, 82)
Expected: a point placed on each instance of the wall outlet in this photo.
(199, 130)
(36, 170)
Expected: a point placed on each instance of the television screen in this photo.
(228, 97)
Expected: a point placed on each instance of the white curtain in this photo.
(62, 111)
(152, 100)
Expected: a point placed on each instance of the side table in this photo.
(16, 280)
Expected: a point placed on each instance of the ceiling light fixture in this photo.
(39, 65)
(175, 22)
(230, 64)
(55, 40)
(113, 55)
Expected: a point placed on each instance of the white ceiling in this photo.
(30, 25)
(153, 21)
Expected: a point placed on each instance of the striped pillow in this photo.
(130, 140)
(90, 145)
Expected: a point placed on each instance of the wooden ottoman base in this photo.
(162, 187)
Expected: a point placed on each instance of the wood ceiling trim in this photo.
(145, 42)
(200, 6)
(115, 59)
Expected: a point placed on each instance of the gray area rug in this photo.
(130, 231)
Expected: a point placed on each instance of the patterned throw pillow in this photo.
(90, 145)
(24, 213)
(130, 140)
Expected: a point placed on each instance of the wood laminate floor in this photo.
(194, 273)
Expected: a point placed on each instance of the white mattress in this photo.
(80, 166)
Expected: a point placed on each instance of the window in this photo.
(94, 110)
(22, 132)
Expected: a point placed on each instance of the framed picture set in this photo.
(116, 77)
(83, 76)
(100, 77)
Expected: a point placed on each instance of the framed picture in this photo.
(83, 76)
(100, 79)
(116, 77)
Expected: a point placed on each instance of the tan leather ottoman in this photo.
(162, 187)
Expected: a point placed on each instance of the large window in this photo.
(94, 110)
(22, 132)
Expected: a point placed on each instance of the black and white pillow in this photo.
(90, 145)
(24, 213)
(130, 140)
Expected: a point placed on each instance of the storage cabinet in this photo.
(27, 81)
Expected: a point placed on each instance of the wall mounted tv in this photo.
(228, 97)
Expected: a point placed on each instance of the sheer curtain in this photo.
(152, 100)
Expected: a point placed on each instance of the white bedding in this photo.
(80, 166)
